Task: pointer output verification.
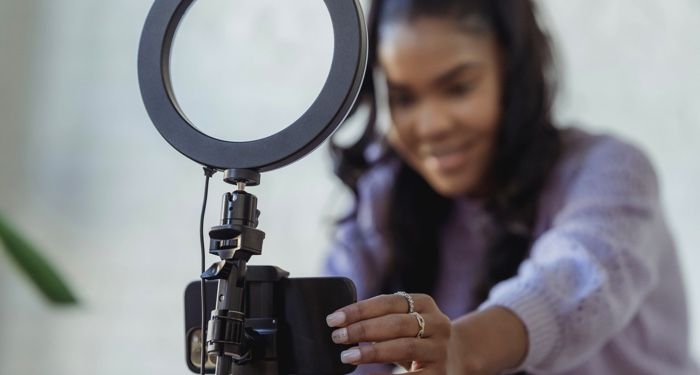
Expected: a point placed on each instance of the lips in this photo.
(449, 159)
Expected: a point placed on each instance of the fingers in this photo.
(377, 306)
(406, 365)
(385, 321)
(417, 372)
(423, 371)
(389, 327)
(398, 350)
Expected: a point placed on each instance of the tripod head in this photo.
(237, 236)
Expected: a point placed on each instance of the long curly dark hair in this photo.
(527, 148)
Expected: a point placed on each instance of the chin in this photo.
(454, 184)
(451, 189)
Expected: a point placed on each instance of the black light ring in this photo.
(290, 144)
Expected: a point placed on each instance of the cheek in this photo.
(402, 118)
(481, 112)
(482, 122)
(404, 143)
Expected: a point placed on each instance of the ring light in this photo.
(284, 147)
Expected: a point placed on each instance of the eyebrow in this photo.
(442, 78)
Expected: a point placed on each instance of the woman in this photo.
(522, 247)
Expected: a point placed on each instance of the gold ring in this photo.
(421, 324)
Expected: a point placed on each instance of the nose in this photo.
(433, 121)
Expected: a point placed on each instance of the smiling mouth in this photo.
(450, 159)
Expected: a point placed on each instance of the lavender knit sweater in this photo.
(601, 291)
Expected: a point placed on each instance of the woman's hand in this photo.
(385, 322)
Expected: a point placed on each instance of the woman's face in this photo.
(445, 97)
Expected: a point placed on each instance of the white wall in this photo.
(89, 179)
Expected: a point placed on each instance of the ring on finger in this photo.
(421, 324)
(409, 299)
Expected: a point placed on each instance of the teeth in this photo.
(429, 150)
(446, 152)
(432, 162)
(440, 153)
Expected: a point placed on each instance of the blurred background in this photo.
(87, 178)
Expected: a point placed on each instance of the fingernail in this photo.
(340, 336)
(335, 319)
(350, 356)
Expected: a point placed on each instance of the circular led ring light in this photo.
(325, 114)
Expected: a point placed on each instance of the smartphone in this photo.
(288, 319)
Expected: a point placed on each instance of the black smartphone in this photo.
(288, 319)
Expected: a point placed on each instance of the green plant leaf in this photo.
(39, 271)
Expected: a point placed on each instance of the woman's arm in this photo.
(489, 341)
(588, 275)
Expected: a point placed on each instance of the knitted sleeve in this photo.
(588, 274)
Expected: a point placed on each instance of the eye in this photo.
(459, 89)
(401, 99)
